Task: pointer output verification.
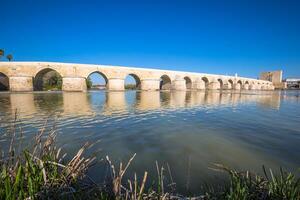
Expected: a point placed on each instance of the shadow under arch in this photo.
(4, 82)
(47, 79)
(246, 85)
(101, 82)
(206, 82)
(230, 84)
(188, 82)
(165, 82)
(220, 87)
(132, 86)
(239, 85)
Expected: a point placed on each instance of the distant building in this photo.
(275, 77)
(293, 83)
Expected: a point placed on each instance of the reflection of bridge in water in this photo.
(108, 103)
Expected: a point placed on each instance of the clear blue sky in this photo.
(223, 37)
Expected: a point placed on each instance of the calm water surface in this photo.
(187, 130)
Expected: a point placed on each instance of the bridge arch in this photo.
(129, 82)
(206, 82)
(238, 85)
(246, 85)
(4, 82)
(188, 82)
(165, 82)
(47, 79)
(96, 80)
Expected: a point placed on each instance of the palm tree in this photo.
(1, 53)
(9, 57)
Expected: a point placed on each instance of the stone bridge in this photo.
(25, 76)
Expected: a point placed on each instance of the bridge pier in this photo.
(214, 85)
(257, 86)
(178, 84)
(116, 84)
(74, 84)
(20, 83)
(227, 86)
(246, 87)
(199, 85)
(251, 87)
(150, 84)
(237, 86)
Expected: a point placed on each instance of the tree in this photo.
(89, 83)
(52, 82)
(130, 86)
(1, 53)
(9, 57)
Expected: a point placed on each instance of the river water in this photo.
(189, 131)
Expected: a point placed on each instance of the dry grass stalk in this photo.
(43, 162)
(117, 177)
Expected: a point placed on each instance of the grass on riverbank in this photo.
(43, 172)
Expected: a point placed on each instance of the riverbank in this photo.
(44, 171)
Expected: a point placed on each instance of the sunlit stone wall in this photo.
(22, 75)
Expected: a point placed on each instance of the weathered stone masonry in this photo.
(21, 76)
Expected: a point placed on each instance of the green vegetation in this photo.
(130, 87)
(42, 171)
(1, 53)
(89, 83)
(246, 185)
(9, 57)
(54, 82)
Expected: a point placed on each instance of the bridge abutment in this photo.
(20, 83)
(150, 84)
(74, 84)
